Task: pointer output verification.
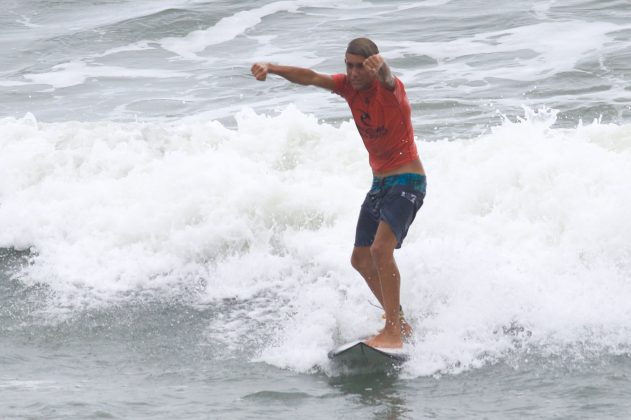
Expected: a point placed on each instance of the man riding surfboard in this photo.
(382, 113)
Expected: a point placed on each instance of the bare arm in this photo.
(299, 75)
(378, 66)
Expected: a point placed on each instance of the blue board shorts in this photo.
(395, 200)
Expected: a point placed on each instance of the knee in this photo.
(360, 260)
(379, 252)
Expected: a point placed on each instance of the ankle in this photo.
(392, 327)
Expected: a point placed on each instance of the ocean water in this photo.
(175, 236)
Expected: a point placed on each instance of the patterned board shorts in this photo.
(395, 200)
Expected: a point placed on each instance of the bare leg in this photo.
(361, 261)
(378, 267)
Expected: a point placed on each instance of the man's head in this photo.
(362, 46)
(357, 51)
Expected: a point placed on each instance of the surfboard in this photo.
(358, 353)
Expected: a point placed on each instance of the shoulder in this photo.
(397, 93)
(341, 85)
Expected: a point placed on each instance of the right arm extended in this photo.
(299, 75)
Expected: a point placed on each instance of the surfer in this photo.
(382, 113)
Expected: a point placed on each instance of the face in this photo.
(359, 77)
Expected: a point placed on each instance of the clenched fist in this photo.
(260, 70)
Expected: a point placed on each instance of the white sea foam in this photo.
(138, 46)
(175, 198)
(11, 83)
(26, 21)
(228, 28)
(225, 30)
(77, 72)
(558, 47)
(523, 240)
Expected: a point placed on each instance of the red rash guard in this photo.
(383, 119)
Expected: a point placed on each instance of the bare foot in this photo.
(406, 330)
(386, 339)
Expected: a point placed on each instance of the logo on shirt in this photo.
(365, 129)
(372, 133)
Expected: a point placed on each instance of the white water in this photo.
(522, 241)
(185, 254)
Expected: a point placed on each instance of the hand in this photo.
(260, 70)
(374, 63)
(377, 67)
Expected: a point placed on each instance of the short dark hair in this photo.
(362, 46)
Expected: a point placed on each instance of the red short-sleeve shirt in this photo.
(383, 119)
